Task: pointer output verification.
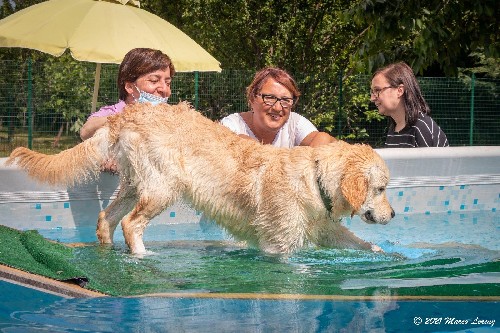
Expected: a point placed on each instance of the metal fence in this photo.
(43, 104)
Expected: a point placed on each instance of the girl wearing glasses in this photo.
(396, 94)
(272, 96)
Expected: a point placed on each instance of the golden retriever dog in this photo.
(274, 198)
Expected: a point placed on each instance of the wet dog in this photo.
(274, 198)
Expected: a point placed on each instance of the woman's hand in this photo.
(316, 139)
(110, 166)
(91, 126)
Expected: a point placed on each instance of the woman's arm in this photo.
(315, 139)
(91, 126)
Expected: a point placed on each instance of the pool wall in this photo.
(434, 180)
(423, 181)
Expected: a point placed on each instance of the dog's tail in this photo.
(69, 167)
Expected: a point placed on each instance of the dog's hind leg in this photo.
(133, 224)
(114, 213)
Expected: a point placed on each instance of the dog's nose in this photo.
(392, 213)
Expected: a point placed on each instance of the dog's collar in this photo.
(327, 201)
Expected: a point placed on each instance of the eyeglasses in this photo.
(286, 102)
(376, 92)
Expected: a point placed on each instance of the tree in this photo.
(309, 38)
(425, 33)
(66, 82)
(299, 35)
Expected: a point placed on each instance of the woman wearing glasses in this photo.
(272, 96)
(396, 94)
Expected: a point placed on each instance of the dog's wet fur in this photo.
(277, 199)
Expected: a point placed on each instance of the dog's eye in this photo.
(381, 189)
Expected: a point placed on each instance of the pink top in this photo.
(109, 110)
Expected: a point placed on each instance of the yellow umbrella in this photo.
(101, 32)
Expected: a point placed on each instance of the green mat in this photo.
(30, 252)
(98, 268)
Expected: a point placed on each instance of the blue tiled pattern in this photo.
(406, 201)
(55, 214)
(440, 199)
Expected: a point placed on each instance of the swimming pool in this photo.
(446, 231)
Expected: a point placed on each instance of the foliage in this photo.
(325, 44)
(424, 33)
(308, 38)
(486, 88)
(63, 80)
(485, 66)
(300, 35)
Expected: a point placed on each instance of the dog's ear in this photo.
(354, 186)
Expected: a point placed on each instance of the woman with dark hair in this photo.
(144, 76)
(396, 93)
(272, 96)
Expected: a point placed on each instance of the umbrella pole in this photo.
(96, 87)
(30, 106)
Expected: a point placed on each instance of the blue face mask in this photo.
(145, 97)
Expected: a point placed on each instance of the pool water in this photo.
(48, 313)
(425, 258)
(213, 267)
(197, 275)
(474, 228)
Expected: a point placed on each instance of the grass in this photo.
(42, 142)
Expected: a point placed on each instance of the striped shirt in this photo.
(425, 133)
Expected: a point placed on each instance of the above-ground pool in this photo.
(439, 273)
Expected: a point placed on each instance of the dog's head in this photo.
(363, 185)
(353, 181)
